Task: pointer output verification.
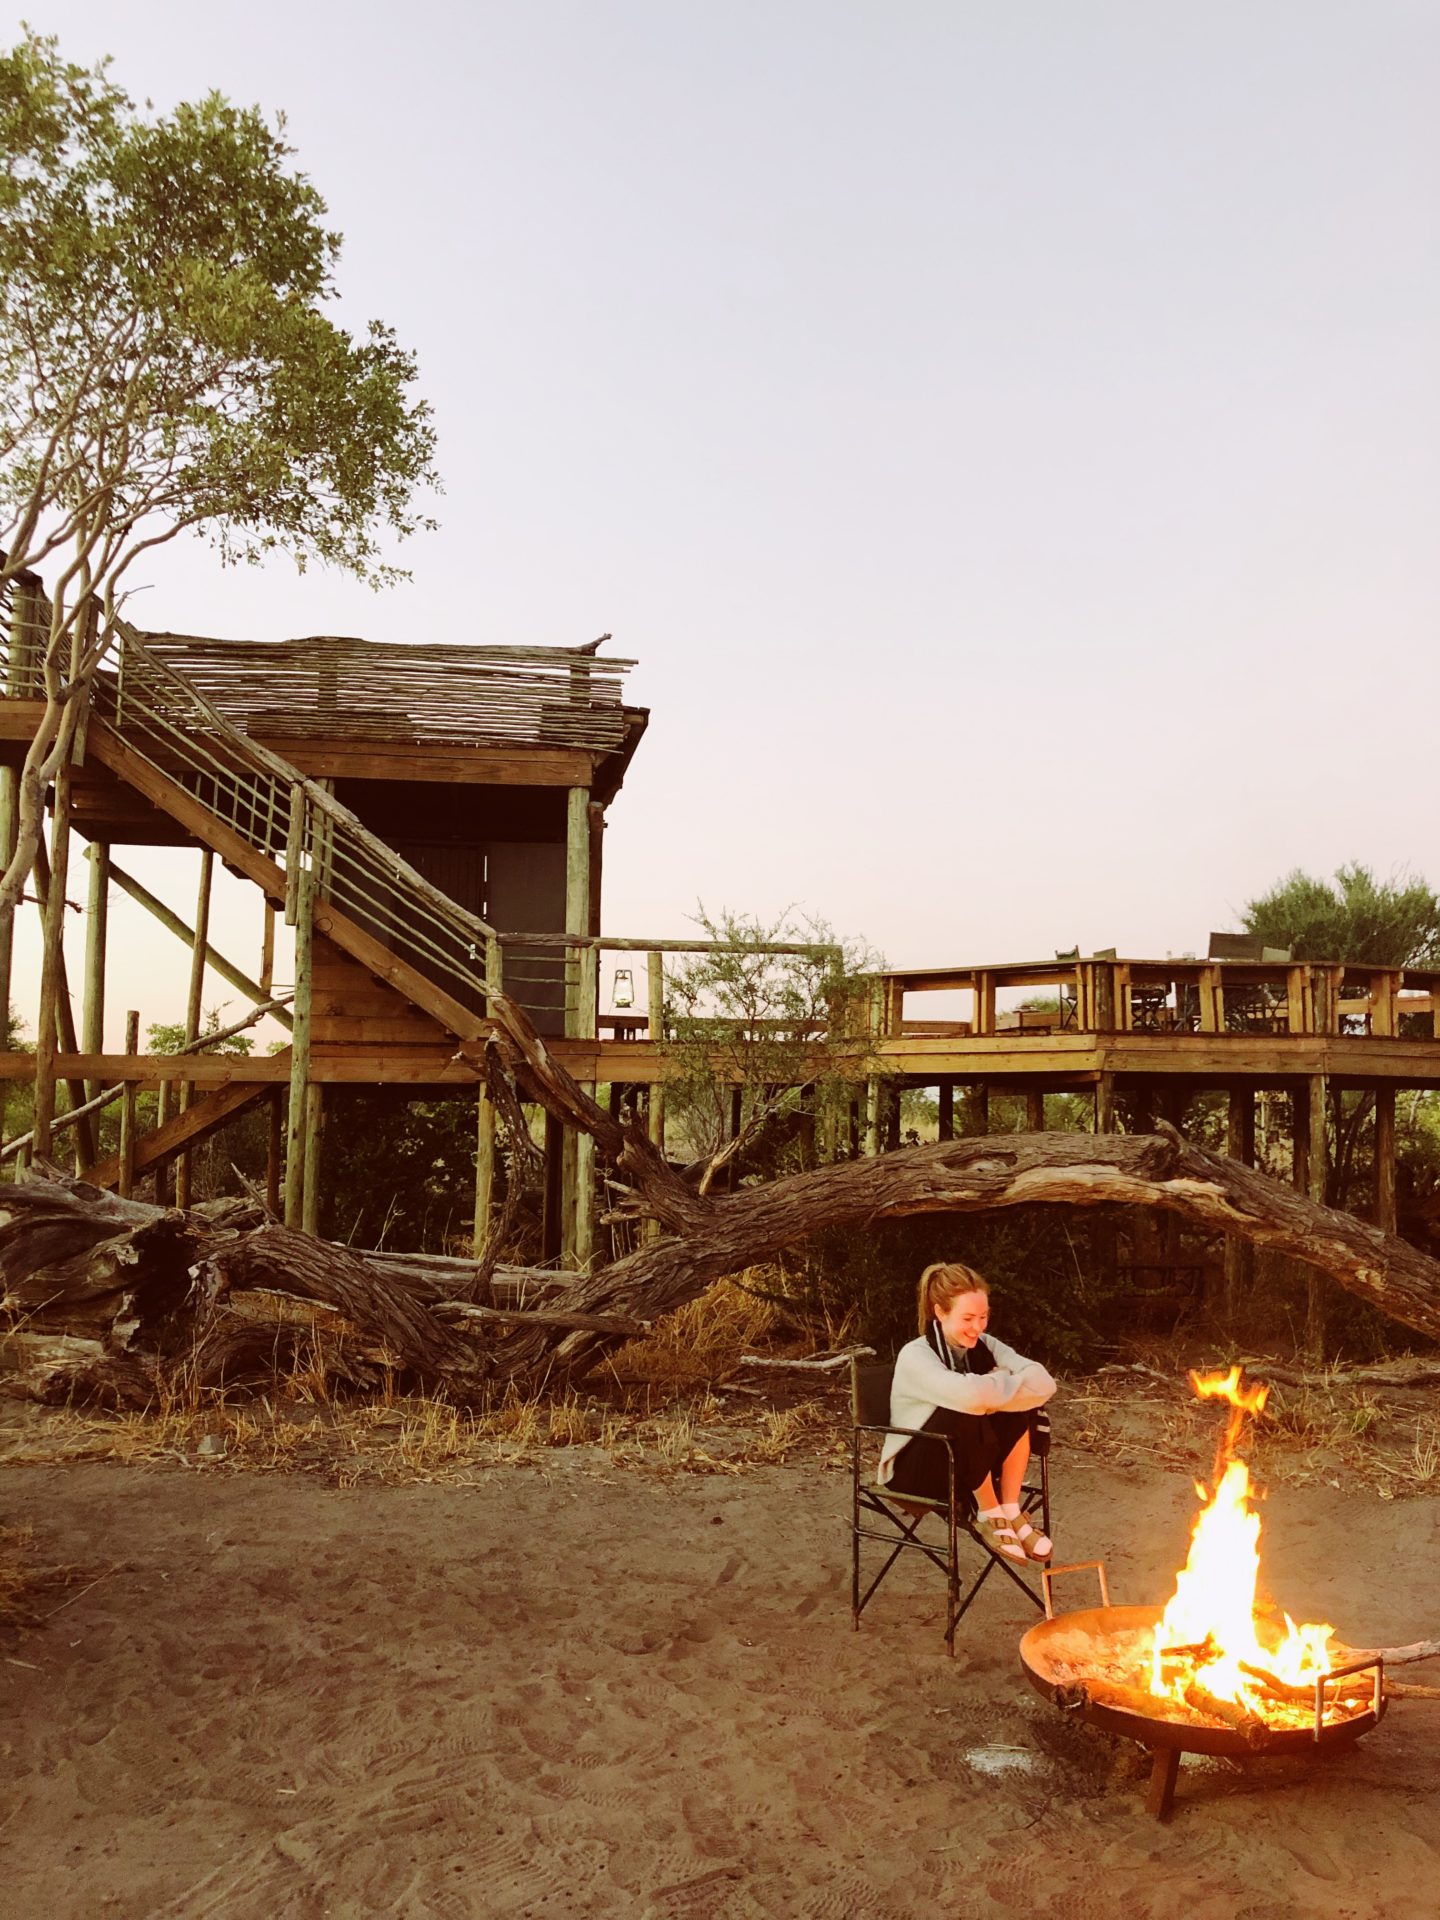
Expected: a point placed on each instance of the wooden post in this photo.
(314, 1148)
(484, 1168)
(9, 824)
(872, 1117)
(980, 1107)
(1105, 1103)
(1385, 1205)
(1239, 1145)
(892, 1115)
(267, 951)
(193, 1010)
(1035, 1109)
(274, 1151)
(127, 1109)
(162, 1167)
(945, 1129)
(1316, 1106)
(585, 1142)
(298, 1116)
(92, 1039)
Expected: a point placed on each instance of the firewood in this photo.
(1244, 1719)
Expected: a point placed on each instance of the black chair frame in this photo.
(904, 1513)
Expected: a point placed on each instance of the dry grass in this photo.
(702, 1342)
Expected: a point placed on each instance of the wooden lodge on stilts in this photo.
(429, 819)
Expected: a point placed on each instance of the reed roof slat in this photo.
(334, 687)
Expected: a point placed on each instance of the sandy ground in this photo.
(566, 1690)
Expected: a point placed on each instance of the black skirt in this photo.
(981, 1442)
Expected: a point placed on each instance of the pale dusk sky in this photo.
(1008, 438)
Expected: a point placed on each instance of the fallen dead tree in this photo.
(166, 1283)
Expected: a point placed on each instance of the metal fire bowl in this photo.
(1098, 1623)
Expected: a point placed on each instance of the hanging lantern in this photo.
(622, 991)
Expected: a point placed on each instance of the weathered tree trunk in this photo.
(64, 1248)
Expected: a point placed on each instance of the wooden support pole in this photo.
(194, 1001)
(980, 1107)
(551, 1227)
(274, 1150)
(259, 991)
(589, 971)
(162, 1167)
(1385, 1200)
(267, 952)
(127, 1110)
(97, 914)
(296, 1132)
(1035, 1109)
(872, 1117)
(1105, 1103)
(484, 1169)
(579, 963)
(314, 1150)
(1239, 1145)
(945, 1128)
(1315, 1112)
(892, 1116)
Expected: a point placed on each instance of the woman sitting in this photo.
(959, 1381)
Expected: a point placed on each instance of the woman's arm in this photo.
(1028, 1384)
(923, 1382)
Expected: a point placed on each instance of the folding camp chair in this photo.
(903, 1514)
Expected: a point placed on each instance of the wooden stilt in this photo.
(1239, 1145)
(551, 1234)
(127, 1110)
(193, 1009)
(1315, 1172)
(946, 1126)
(162, 1167)
(274, 1151)
(1105, 1103)
(980, 1107)
(484, 1168)
(97, 913)
(314, 1157)
(296, 1130)
(267, 951)
(872, 1117)
(1385, 1202)
(1035, 1109)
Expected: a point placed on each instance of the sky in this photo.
(1006, 437)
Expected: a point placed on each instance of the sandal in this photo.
(999, 1536)
(1036, 1545)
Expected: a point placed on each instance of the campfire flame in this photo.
(1209, 1633)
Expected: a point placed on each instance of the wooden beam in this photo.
(980, 1107)
(945, 1129)
(1316, 1113)
(256, 990)
(1239, 1145)
(484, 1169)
(314, 1151)
(1105, 1103)
(1035, 1109)
(205, 1116)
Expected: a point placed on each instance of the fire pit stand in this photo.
(1048, 1657)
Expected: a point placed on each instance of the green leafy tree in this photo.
(167, 364)
(1370, 922)
(768, 1045)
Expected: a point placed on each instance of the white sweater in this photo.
(923, 1382)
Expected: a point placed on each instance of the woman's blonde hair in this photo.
(942, 1282)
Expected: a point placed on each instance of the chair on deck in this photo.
(895, 1519)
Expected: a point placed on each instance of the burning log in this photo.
(1230, 1713)
(1097, 1691)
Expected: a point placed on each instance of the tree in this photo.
(1370, 922)
(767, 1029)
(167, 364)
